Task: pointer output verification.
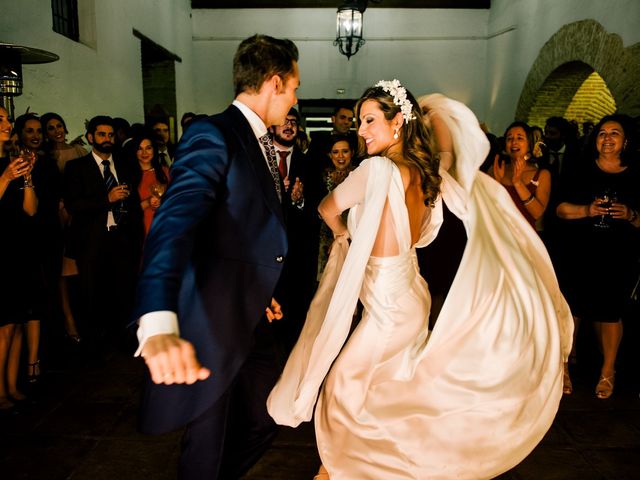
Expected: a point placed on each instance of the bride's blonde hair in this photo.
(416, 140)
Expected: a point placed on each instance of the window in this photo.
(65, 18)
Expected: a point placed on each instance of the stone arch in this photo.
(569, 57)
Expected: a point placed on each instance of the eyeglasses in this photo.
(290, 121)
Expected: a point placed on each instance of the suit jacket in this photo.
(297, 283)
(86, 198)
(214, 255)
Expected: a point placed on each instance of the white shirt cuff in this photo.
(156, 323)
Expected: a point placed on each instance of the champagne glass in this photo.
(122, 208)
(27, 157)
(604, 200)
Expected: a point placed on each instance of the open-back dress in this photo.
(468, 400)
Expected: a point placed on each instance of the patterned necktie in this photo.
(282, 165)
(109, 179)
(267, 144)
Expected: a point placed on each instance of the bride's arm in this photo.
(443, 139)
(331, 214)
(349, 193)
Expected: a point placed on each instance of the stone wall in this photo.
(567, 60)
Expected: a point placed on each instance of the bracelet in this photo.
(634, 215)
(529, 200)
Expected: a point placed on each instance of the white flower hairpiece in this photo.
(399, 94)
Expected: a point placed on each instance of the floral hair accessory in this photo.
(399, 94)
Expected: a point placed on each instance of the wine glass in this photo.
(122, 209)
(605, 200)
(27, 157)
(157, 190)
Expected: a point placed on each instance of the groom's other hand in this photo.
(274, 311)
(172, 360)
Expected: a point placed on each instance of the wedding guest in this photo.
(166, 149)
(107, 237)
(46, 256)
(600, 203)
(528, 185)
(18, 205)
(62, 151)
(56, 140)
(151, 178)
(341, 151)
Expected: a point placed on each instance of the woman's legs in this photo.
(609, 336)
(33, 347)
(69, 321)
(567, 386)
(13, 363)
(6, 334)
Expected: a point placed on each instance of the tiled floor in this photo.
(82, 425)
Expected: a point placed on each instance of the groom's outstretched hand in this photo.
(172, 360)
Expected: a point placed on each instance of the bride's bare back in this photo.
(386, 243)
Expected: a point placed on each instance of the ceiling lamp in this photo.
(349, 27)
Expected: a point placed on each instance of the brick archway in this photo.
(569, 57)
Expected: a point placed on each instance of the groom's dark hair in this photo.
(260, 57)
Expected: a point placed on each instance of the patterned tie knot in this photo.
(270, 151)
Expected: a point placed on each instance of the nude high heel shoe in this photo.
(322, 474)
(567, 386)
(604, 388)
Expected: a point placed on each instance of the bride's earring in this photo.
(395, 135)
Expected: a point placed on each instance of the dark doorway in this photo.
(158, 82)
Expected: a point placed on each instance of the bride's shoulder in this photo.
(377, 161)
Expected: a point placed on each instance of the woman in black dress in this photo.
(18, 205)
(600, 201)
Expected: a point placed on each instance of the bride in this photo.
(469, 399)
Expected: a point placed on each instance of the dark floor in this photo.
(81, 421)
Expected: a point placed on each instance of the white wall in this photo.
(427, 50)
(106, 79)
(477, 56)
(511, 56)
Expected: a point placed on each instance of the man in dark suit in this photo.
(297, 282)
(106, 234)
(213, 258)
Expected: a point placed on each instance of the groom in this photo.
(212, 260)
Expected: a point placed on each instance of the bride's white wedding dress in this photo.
(468, 400)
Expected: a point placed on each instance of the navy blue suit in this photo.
(214, 256)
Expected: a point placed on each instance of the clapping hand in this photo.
(518, 167)
(499, 168)
(297, 191)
